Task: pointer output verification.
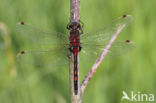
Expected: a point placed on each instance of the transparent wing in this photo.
(103, 35)
(40, 37)
(54, 54)
(116, 49)
(50, 57)
(119, 48)
(94, 42)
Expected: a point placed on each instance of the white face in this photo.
(74, 25)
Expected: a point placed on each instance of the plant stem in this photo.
(99, 60)
(74, 17)
(75, 11)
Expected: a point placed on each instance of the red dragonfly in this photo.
(56, 46)
(74, 47)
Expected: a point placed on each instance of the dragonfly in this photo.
(54, 47)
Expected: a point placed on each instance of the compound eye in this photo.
(70, 26)
(78, 26)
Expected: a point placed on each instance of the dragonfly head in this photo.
(74, 26)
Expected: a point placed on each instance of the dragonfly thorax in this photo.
(74, 38)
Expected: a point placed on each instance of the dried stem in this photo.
(74, 10)
(74, 17)
(99, 60)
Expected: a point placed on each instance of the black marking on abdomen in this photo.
(75, 75)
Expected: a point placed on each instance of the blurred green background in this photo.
(134, 71)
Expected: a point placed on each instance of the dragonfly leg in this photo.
(68, 26)
(82, 24)
(81, 31)
(70, 50)
(80, 48)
